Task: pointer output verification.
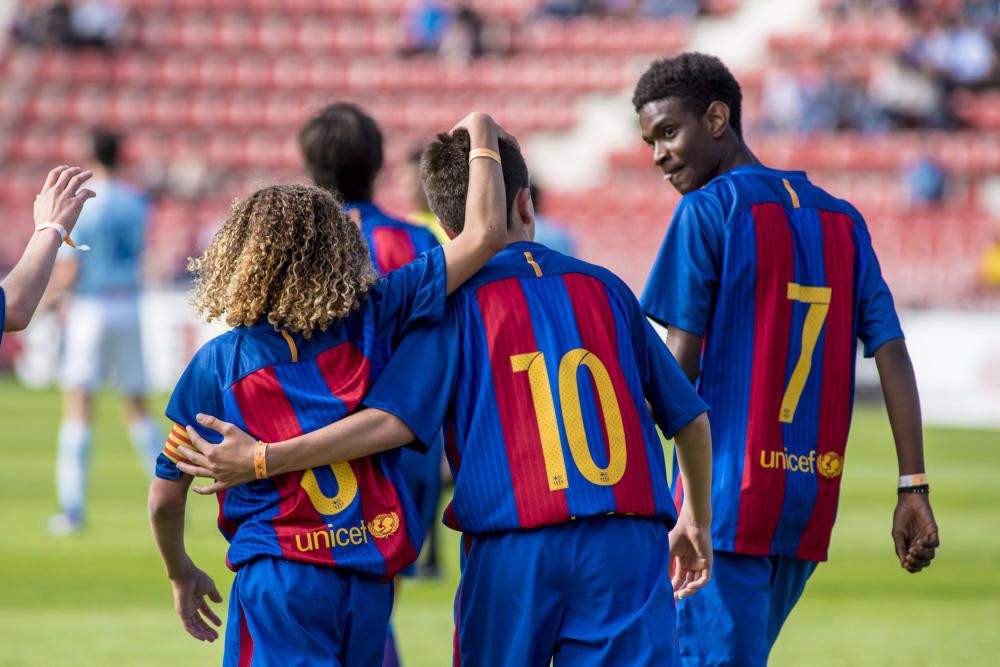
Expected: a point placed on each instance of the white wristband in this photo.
(56, 226)
(63, 235)
(906, 481)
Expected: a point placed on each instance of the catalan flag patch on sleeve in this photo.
(171, 449)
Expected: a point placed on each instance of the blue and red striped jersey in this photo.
(544, 364)
(277, 385)
(781, 280)
(392, 243)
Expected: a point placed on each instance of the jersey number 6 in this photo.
(572, 417)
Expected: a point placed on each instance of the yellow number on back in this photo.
(818, 299)
(572, 415)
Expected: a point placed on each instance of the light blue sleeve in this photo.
(682, 286)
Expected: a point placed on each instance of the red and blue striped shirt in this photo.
(544, 364)
(277, 385)
(392, 243)
(781, 280)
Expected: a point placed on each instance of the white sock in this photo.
(72, 466)
(147, 439)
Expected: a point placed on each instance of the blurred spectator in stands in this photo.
(924, 180)
(961, 54)
(49, 27)
(686, 9)
(547, 231)
(463, 38)
(782, 99)
(425, 24)
(571, 9)
(908, 96)
(97, 23)
(982, 12)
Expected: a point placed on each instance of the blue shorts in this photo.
(736, 618)
(586, 593)
(422, 476)
(283, 613)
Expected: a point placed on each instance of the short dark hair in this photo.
(698, 79)
(342, 147)
(106, 145)
(444, 171)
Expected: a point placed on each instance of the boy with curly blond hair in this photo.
(314, 551)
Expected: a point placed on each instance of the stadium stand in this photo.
(219, 88)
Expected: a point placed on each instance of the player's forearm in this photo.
(167, 502)
(485, 229)
(686, 348)
(24, 285)
(362, 434)
(902, 403)
(694, 456)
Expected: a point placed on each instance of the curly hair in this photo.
(444, 172)
(697, 79)
(287, 254)
(342, 147)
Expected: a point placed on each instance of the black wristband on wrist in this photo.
(919, 488)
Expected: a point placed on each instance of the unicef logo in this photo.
(830, 464)
(384, 525)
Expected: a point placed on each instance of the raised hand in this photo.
(59, 201)
(229, 463)
(914, 531)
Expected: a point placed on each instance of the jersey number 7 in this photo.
(572, 417)
(818, 299)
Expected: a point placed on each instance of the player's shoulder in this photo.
(230, 356)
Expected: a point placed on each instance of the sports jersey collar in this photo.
(761, 169)
(519, 247)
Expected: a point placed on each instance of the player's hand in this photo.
(60, 200)
(189, 601)
(914, 531)
(691, 555)
(229, 463)
(479, 121)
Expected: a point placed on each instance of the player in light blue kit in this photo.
(102, 340)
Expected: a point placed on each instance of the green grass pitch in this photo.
(100, 598)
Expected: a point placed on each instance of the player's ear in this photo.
(523, 207)
(716, 119)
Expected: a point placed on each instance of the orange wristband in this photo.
(484, 152)
(260, 460)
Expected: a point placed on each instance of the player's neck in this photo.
(738, 155)
(102, 173)
(517, 233)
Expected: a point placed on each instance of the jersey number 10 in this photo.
(572, 417)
